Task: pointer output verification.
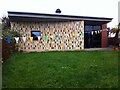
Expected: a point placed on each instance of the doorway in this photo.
(92, 37)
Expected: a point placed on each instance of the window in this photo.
(90, 28)
(35, 34)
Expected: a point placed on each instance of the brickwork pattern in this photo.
(55, 35)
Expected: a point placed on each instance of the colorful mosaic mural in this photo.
(53, 35)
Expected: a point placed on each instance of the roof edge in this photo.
(56, 16)
(32, 13)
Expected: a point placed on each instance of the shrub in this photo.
(8, 48)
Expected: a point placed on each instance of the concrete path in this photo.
(90, 49)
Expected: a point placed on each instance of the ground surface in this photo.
(87, 69)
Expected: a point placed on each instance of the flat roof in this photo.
(28, 16)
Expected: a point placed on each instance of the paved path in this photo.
(90, 49)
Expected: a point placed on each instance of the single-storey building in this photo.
(59, 32)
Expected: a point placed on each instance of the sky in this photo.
(95, 8)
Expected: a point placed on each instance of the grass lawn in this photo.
(65, 69)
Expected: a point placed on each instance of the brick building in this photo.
(59, 32)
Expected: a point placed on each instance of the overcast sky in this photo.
(95, 8)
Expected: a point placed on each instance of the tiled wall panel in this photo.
(60, 35)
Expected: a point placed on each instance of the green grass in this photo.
(69, 69)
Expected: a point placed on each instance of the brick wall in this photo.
(104, 36)
(71, 35)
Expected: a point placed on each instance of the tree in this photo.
(7, 49)
(116, 30)
(5, 23)
(6, 29)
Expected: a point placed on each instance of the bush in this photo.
(8, 48)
